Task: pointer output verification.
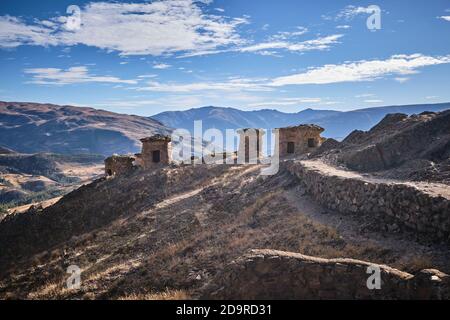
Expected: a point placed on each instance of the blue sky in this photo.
(145, 57)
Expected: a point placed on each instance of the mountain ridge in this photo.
(337, 124)
(39, 127)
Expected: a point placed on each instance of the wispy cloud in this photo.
(321, 43)
(362, 70)
(286, 102)
(364, 95)
(270, 47)
(54, 76)
(446, 18)
(365, 70)
(161, 66)
(344, 26)
(156, 28)
(238, 84)
(373, 101)
(401, 79)
(349, 12)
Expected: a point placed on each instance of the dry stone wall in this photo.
(407, 206)
(270, 274)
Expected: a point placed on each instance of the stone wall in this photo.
(407, 206)
(270, 274)
(117, 165)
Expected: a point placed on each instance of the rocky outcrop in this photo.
(270, 274)
(398, 139)
(422, 211)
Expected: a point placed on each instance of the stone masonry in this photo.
(270, 274)
(423, 212)
(156, 151)
(118, 165)
(299, 140)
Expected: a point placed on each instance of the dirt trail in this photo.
(354, 229)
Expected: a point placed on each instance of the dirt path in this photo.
(354, 229)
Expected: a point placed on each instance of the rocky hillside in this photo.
(32, 127)
(172, 232)
(26, 178)
(337, 124)
(192, 231)
(413, 147)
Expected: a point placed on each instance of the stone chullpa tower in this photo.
(299, 140)
(156, 151)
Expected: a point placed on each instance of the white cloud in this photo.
(13, 33)
(373, 101)
(284, 35)
(362, 70)
(446, 18)
(285, 102)
(237, 84)
(401, 79)
(54, 76)
(270, 47)
(220, 9)
(364, 95)
(345, 26)
(152, 28)
(349, 12)
(365, 70)
(322, 43)
(143, 76)
(161, 66)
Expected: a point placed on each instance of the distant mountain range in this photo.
(337, 124)
(33, 127)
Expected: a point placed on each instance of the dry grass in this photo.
(165, 295)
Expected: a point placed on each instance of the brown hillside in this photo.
(33, 127)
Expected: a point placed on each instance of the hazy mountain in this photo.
(337, 124)
(33, 127)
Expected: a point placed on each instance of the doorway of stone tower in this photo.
(156, 156)
(290, 147)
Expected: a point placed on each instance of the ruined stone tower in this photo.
(250, 145)
(118, 165)
(156, 151)
(298, 140)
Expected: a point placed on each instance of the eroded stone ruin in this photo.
(118, 164)
(299, 140)
(156, 152)
(157, 149)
